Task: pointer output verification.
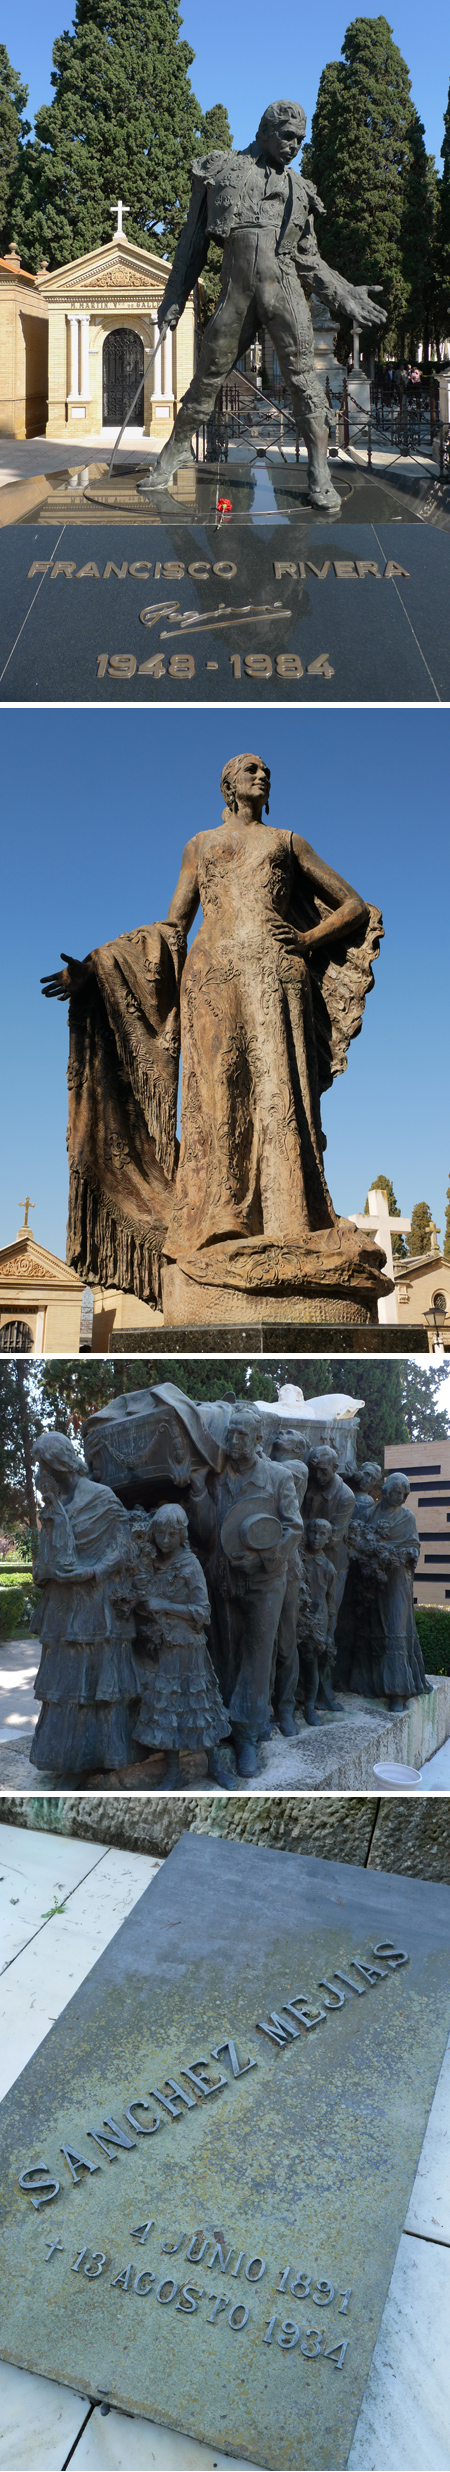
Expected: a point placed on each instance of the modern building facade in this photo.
(427, 1464)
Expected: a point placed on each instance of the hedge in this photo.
(15, 1596)
(433, 1625)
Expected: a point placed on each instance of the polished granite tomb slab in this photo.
(230, 2278)
(101, 603)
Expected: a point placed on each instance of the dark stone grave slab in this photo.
(234, 2105)
(100, 604)
(273, 1339)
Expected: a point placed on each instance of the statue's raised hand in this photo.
(64, 983)
(364, 310)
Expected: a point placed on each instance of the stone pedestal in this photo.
(325, 363)
(358, 395)
(251, 1339)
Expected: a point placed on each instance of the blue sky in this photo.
(245, 56)
(98, 806)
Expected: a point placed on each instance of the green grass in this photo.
(433, 1624)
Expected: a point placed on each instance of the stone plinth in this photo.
(270, 1338)
(338, 1757)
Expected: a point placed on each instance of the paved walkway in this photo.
(19, 1711)
(404, 2423)
(22, 458)
(436, 1772)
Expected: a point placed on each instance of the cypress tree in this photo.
(419, 1237)
(367, 156)
(444, 229)
(123, 122)
(214, 131)
(398, 1242)
(13, 132)
(382, 1418)
(421, 1384)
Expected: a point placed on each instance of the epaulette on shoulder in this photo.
(205, 166)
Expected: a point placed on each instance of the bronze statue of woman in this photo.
(264, 1004)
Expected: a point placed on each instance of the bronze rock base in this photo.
(333, 1276)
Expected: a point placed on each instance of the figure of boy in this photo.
(284, 1679)
(316, 1627)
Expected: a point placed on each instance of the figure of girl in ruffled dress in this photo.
(181, 1708)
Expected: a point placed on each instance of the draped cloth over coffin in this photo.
(257, 1047)
(124, 1026)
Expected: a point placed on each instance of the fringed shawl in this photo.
(123, 1080)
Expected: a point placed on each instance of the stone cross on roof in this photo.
(120, 210)
(380, 1225)
(26, 1206)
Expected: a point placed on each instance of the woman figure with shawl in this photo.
(88, 1679)
(387, 1547)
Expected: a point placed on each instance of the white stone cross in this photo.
(119, 209)
(378, 1224)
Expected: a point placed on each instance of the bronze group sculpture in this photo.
(264, 214)
(265, 1003)
(199, 1624)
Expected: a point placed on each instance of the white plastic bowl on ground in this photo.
(396, 1778)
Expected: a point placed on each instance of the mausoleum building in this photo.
(422, 1292)
(40, 1299)
(23, 351)
(46, 1311)
(73, 345)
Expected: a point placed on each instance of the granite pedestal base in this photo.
(272, 1338)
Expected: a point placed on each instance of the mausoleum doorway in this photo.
(123, 366)
(16, 1339)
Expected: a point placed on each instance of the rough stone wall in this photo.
(401, 1834)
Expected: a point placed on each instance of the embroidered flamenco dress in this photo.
(181, 1707)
